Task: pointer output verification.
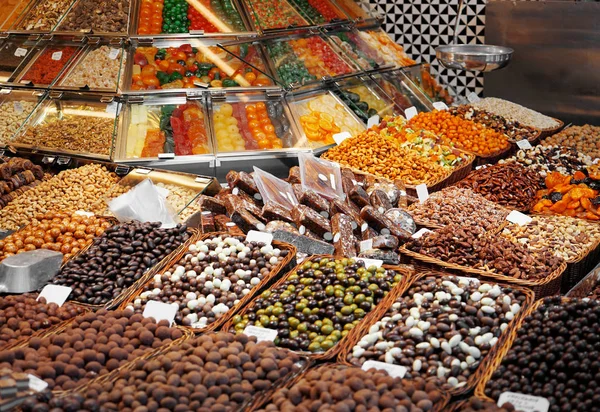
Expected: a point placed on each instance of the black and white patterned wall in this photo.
(422, 25)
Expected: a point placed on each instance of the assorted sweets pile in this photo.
(183, 66)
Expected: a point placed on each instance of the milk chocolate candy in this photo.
(343, 238)
(278, 225)
(294, 176)
(245, 182)
(348, 180)
(311, 220)
(255, 200)
(380, 201)
(233, 202)
(359, 196)
(392, 192)
(224, 224)
(388, 257)
(402, 219)
(271, 211)
(223, 194)
(369, 233)
(313, 200)
(382, 224)
(207, 222)
(385, 242)
(246, 221)
(358, 224)
(304, 244)
(211, 204)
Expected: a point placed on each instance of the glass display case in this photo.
(197, 17)
(72, 124)
(41, 16)
(15, 52)
(425, 77)
(98, 67)
(321, 115)
(387, 49)
(15, 108)
(48, 62)
(360, 11)
(102, 18)
(402, 90)
(170, 126)
(357, 49)
(190, 63)
(299, 60)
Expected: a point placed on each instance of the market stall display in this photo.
(584, 139)
(387, 49)
(47, 65)
(402, 90)
(63, 361)
(460, 206)
(99, 68)
(308, 298)
(575, 196)
(518, 113)
(10, 11)
(227, 19)
(273, 14)
(14, 54)
(42, 15)
(110, 17)
(408, 334)
(358, 49)
(560, 333)
(177, 67)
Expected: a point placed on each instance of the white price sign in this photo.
(113, 53)
(373, 120)
(55, 294)
(420, 233)
(525, 403)
(473, 98)
(366, 245)
(524, 144)
(36, 384)
(395, 371)
(262, 334)
(518, 218)
(160, 311)
(410, 112)
(340, 137)
(18, 107)
(20, 52)
(422, 192)
(57, 55)
(440, 106)
(371, 262)
(259, 237)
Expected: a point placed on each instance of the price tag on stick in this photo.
(525, 403)
(373, 120)
(160, 311)
(262, 334)
(524, 144)
(410, 112)
(395, 371)
(518, 218)
(422, 192)
(55, 294)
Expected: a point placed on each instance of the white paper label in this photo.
(57, 55)
(55, 294)
(332, 180)
(20, 52)
(111, 108)
(113, 53)
(142, 171)
(160, 311)
(371, 262)
(340, 137)
(366, 245)
(262, 334)
(166, 155)
(525, 403)
(473, 98)
(36, 384)
(18, 107)
(518, 218)
(524, 144)
(420, 233)
(395, 371)
(259, 237)
(440, 106)
(84, 213)
(422, 192)
(410, 112)
(373, 120)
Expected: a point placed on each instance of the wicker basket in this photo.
(265, 282)
(553, 130)
(548, 286)
(393, 297)
(440, 406)
(332, 352)
(481, 160)
(586, 285)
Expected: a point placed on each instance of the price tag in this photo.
(113, 53)
(166, 155)
(518, 218)
(259, 237)
(371, 262)
(395, 371)
(55, 294)
(473, 98)
(366, 245)
(410, 112)
(57, 55)
(84, 213)
(36, 384)
(112, 108)
(373, 120)
(20, 52)
(420, 233)
(440, 106)
(18, 107)
(142, 171)
(524, 144)
(525, 403)
(340, 137)
(332, 180)
(160, 311)
(262, 334)
(422, 192)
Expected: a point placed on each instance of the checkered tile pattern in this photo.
(422, 25)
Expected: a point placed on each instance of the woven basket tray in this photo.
(553, 130)
(436, 408)
(332, 352)
(491, 159)
(288, 261)
(391, 299)
(503, 351)
(545, 287)
(586, 285)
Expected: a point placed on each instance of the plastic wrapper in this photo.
(274, 190)
(380, 200)
(315, 202)
(359, 196)
(309, 220)
(145, 203)
(294, 175)
(322, 176)
(402, 219)
(272, 212)
(384, 225)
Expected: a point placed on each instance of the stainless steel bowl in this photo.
(474, 57)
